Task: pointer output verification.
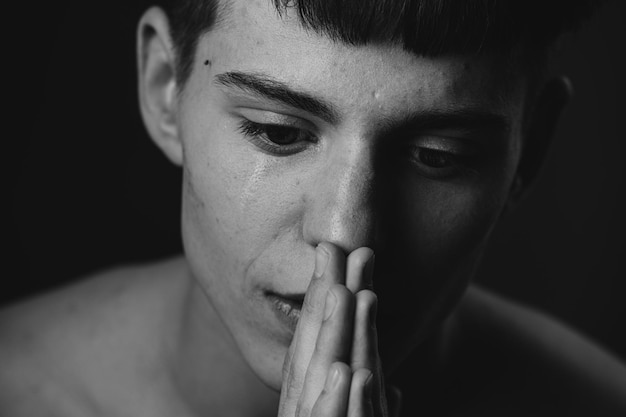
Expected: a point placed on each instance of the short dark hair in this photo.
(525, 29)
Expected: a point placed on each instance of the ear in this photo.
(537, 137)
(157, 82)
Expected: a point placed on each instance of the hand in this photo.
(332, 367)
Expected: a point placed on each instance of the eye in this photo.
(435, 158)
(441, 160)
(277, 139)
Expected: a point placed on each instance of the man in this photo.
(343, 166)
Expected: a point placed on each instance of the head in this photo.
(406, 126)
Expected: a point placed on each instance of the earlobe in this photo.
(157, 82)
(538, 134)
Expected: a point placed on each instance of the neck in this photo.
(208, 369)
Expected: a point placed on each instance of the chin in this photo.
(268, 367)
(263, 353)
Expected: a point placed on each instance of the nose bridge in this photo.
(341, 202)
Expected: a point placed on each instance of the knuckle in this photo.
(302, 410)
(311, 298)
(319, 349)
(310, 307)
(292, 382)
(313, 301)
(287, 366)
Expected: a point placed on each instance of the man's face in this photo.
(291, 139)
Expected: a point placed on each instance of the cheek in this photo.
(447, 223)
(214, 223)
(448, 226)
(438, 242)
(238, 209)
(438, 238)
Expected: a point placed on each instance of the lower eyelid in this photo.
(274, 149)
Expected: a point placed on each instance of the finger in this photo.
(333, 344)
(333, 401)
(329, 270)
(361, 389)
(360, 270)
(365, 344)
(330, 267)
(394, 401)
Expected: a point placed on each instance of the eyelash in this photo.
(439, 164)
(259, 134)
(421, 157)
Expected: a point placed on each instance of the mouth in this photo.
(287, 308)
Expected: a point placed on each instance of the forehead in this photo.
(381, 77)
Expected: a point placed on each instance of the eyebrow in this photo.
(272, 89)
(464, 119)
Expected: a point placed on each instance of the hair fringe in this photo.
(509, 28)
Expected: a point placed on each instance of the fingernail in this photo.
(334, 378)
(331, 300)
(369, 272)
(321, 260)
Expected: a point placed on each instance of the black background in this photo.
(85, 189)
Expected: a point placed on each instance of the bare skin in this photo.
(289, 144)
(490, 357)
(344, 374)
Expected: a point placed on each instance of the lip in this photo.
(287, 308)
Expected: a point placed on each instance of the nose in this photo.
(340, 200)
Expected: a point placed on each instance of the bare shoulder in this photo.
(52, 345)
(499, 357)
